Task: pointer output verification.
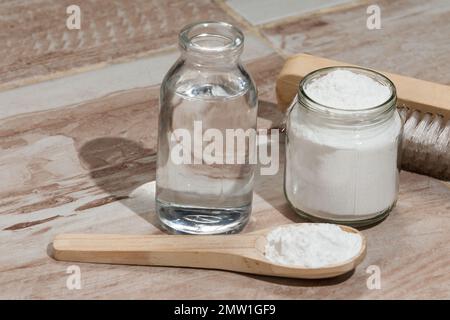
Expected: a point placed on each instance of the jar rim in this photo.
(231, 37)
(383, 107)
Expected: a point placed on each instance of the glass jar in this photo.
(342, 165)
(206, 95)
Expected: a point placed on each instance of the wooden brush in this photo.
(424, 105)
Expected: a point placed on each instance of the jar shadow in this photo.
(125, 170)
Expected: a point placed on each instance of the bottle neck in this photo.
(211, 44)
(199, 60)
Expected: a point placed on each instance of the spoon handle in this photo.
(212, 251)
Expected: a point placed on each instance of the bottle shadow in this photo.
(125, 170)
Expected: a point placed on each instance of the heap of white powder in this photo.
(343, 89)
(311, 245)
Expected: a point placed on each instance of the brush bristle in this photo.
(425, 144)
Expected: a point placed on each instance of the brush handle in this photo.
(414, 93)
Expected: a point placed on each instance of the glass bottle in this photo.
(342, 165)
(208, 102)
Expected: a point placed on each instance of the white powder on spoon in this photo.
(311, 245)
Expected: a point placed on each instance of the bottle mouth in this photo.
(211, 38)
(361, 113)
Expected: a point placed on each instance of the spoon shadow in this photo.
(293, 282)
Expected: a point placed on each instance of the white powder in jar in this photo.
(311, 245)
(342, 172)
(343, 89)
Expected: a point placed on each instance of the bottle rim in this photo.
(229, 39)
(372, 111)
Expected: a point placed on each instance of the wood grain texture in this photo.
(413, 39)
(264, 11)
(89, 167)
(410, 247)
(51, 155)
(93, 84)
(36, 42)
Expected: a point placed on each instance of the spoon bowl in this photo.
(240, 253)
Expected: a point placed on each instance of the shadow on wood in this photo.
(119, 166)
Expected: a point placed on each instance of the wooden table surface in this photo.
(78, 119)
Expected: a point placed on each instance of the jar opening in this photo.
(211, 37)
(366, 111)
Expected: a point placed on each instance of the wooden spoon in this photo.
(241, 253)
